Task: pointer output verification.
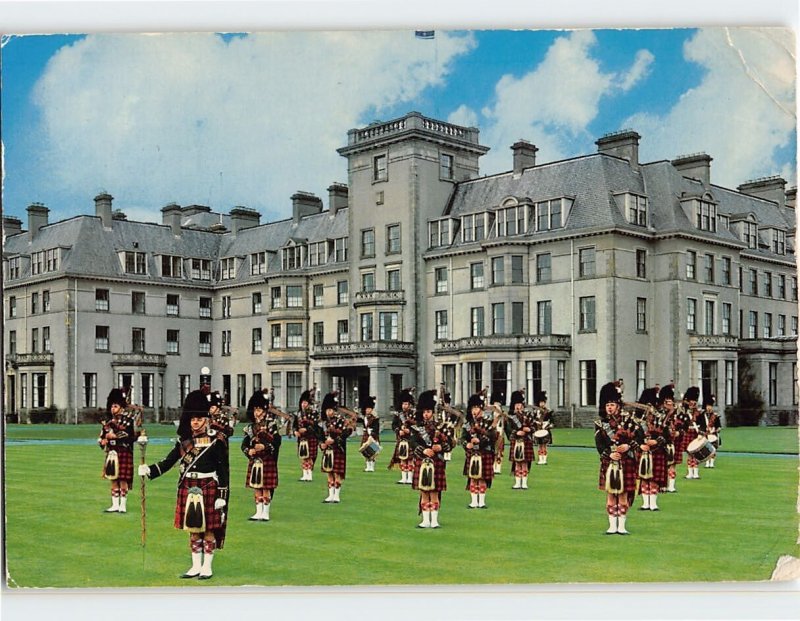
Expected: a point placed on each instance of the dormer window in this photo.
(750, 234)
(318, 253)
(340, 249)
(201, 269)
(549, 214)
(44, 261)
(292, 258)
(439, 232)
(778, 241)
(512, 221)
(706, 216)
(227, 268)
(636, 209)
(171, 266)
(135, 262)
(258, 263)
(473, 227)
(13, 268)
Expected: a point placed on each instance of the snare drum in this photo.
(542, 436)
(714, 439)
(370, 448)
(700, 448)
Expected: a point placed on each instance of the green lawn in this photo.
(742, 514)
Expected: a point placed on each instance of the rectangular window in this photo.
(46, 301)
(709, 268)
(753, 282)
(367, 243)
(393, 239)
(561, 387)
(388, 326)
(368, 282)
(586, 262)
(51, 257)
(23, 390)
(587, 314)
(379, 169)
(137, 341)
(511, 221)
(726, 271)
(729, 375)
(35, 340)
(499, 318)
(794, 288)
(773, 383)
(641, 263)
(767, 325)
(342, 294)
(294, 381)
(794, 384)
(781, 325)
(201, 269)
(778, 241)
(46, 348)
(517, 317)
(750, 234)
(440, 276)
(257, 385)
(12, 342)
(641, 376)
(498, 270)
(441, 324)
(292, 258)
(588, 373)
(548, 215)
(256, 341)
(476, 275)
(13, 270)
(135, 263)
(101, 338)
(544, 317)
(637, 209)
(318, 253)
(445, 166)
(226, 306)
(691, 315)
(37, 263)
(393, 280)
(277, 385)
(90, 390)
(710, 313)
(258, 263)
(501, 381)
(294, 296)
(726, 318)
(342, 331)
(641, 315)
(39, 390)
(205, 308)
(205, 343)
(256, 303)
(752, 325)
(294, 335)
(148, 387)
(275, 333)
(275, 297)
(138, 302)
(449, 377)
(227, 268)
(318, 296)
(319, 333)
(171, 266)
(12, 307)
(474, 377)
(173, 305)
(101, 300)
(366, 326)
(706, 216)
(173, 343)
(691, 265)
(517, 265)
(767, 284)
(476, 321)
(781, 286)
(34, 303)
(794, 325)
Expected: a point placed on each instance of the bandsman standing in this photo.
(117, 438)
(338, 428)
(479, 437)
(691, 422)
(261, 445)
(308, 432)
(372, 431)
(544, 425)
(519, 429)
(710, 425)
(401, 422)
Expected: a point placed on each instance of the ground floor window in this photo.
(588, 371)
(533, 379)
(90, 390)
(501, 382)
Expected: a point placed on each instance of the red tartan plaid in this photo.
(659, 468)
(313, 446)
(209, 489)
(125, 465)
(487, 468)
(270, 472)
(439, 475)
(629, 472)
(529, 448)
(339, 462)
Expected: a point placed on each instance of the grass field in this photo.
(740, 516)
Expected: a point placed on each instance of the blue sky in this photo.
(249, 120)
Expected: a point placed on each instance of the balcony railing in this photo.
(29, 360)
(503, 342)
(138, 360)
(713, 341)
(412, 121)
(379, 297)
(395, 349)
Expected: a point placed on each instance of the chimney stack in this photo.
(305, 204)
(695, 166)
(624, 144)
(11, 226)
(524, 156)
(791, 198)
(337, 197)
(771, 188)
(102, 208)
(37, 218)
(171, 215)
(244, 218)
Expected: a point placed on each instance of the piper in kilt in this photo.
(338, 428)
(478, 437)
(428, 443)
(544, 422)
(666, 399)
(223, 419)
(308, 433)
(653, 457)
(614, 438)
(710, 425)
(519, 428)
(692, 429)
(202, 486)
(117, 437)
(261, 444)
(372, 430)
(401, 422)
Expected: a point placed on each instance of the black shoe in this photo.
(204, 577)
(644, 508)
(483, 507)
(188, 575)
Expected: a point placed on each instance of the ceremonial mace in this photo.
(142, 440)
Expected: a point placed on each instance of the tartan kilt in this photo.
(395, 459)
(209, 488)
(125, 458)
(313, 446)
(660, 468)
(366, 435)
(439, 475)
(339, 462)
(686, 440)
(528, 451)
(630, 468)
(487, 468)
(270, 472)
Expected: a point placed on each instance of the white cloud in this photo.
(464, 116)
(192, 119)
(741, 113)
(553, 104)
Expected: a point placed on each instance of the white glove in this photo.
(219, 503)
(144, 470)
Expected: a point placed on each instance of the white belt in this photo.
(201, 475)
